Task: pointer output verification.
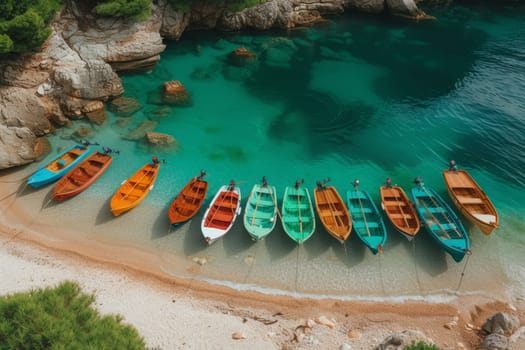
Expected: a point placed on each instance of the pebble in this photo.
(325, 321)
(238, 335)
(354, 334)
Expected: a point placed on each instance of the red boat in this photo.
(82, 176)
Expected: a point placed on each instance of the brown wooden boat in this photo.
(133, 190)
(399, 210)
(189, 200)
(82, 176)
(470, 199)
(332, 211)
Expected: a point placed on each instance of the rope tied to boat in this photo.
(468, 253)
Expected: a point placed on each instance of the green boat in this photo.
(261, 211)
(298, 213)
(367, 220)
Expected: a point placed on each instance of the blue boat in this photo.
(58, 166)
(367, 221)
(441, 221)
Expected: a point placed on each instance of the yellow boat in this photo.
(133, 190)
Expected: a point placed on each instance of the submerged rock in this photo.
(175, 93)
(157, 138)
(140, 131)
(124, 106)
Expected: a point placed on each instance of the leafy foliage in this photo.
(232, 5)
(134, 9)
(421, 345)
(24, 24)
(61, 318)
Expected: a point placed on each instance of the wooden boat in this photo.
(133, 190)
(189, 200)
(441, 221)
(298, 213)
(82, 176)
(470, 199)
(58, 166)
(367, 220)
(399, 210)
(222, 212)
(332, 211)
(260, 215)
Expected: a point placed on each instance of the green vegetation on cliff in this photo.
(137, 10)
(24, 24)
(61, 318)
(231, 5)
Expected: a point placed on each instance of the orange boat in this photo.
(470, 199)
(82, 176)
(133, 190)
(399, 210)
(189, 200)
(332, 211)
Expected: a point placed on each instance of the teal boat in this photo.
(298, 213)
(367, 221)
(261, 211)
(440, 221)
(58, 166)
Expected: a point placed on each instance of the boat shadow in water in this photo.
(161, 227)
(193, 239)
(427, 255)
(278, 244)
(104, 214)
(237, 240)
(49, 201)
(351, 253)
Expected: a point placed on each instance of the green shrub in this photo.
(138, 10)
(421, 345)
(232, 5)
(61, 318)
(24, 24)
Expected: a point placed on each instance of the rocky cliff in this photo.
(76, 68)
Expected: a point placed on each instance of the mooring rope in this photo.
(468, 253)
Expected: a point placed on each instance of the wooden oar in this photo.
(422, 201)
(299, 211)
(455, 228)
(256, 206)
(356, 182)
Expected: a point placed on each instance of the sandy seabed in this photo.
(186, 313)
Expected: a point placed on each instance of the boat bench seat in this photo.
(227, 204)
(362, 225)
(295, 206)
(396, 203)
(400, 216)
(293, 220)
(222, 217)
(469, 200)
(335, 213)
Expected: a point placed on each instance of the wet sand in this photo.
(42, 246)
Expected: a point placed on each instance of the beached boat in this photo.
(189, 200)
(399, 210)
(260, 215)
(133, 190)
(58, 166)
(298, 213)
(82, 176)
(441, 221)
(222, 212)
(332, 211)
(367, 220)
(470, 199)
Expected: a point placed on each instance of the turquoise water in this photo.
(354, 97)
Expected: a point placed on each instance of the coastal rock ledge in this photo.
(75, 71)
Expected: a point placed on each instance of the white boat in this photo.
(222, 212)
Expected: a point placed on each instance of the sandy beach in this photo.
(185, 313)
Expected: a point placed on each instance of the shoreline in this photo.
(368, 318)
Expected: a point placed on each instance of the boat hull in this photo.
(260, 214)
(367, 221)
(298, 216)
(333, 213)
(221, 214)
(471, 200)
(441, 222)
(188, 201)
(82, 176)
(133, 190)
(58, 166)
(400, 211)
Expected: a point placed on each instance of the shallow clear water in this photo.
(354, 97)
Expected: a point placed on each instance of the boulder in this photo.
(174, 22)
(157, 138)
(17, 146)
(42, 147)
(406, 8)
(494, 342)
(175, 93)
(140, 131)
(97, 117)
(124, 106)
(501, 323)
(22, 108)
(370, 6)
(271, 14)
